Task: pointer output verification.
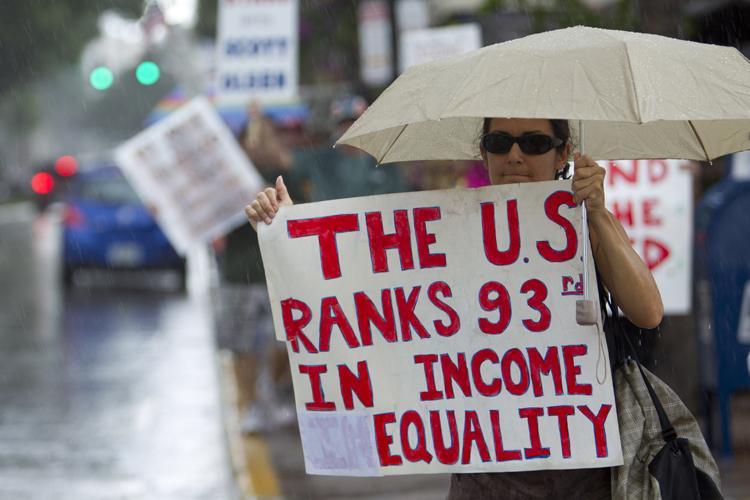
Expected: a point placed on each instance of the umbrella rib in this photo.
(632, 83)
(700, 141)
(388, 149)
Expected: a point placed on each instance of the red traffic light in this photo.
(65, 166)
(42, 183)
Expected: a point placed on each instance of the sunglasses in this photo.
(499, 143)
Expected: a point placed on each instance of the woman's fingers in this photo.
(586, 194)
(588, 182)
(262, 214)
(282, 193)
(272, 196)
(592, 194)
(252, 216)
(265, 204)
(586, 167)
(579, 184)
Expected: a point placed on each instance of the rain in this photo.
(292, 248)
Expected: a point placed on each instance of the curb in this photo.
(252, 469)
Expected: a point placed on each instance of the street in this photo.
(107, 392)
(112, 390)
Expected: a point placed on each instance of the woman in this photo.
(530, 150)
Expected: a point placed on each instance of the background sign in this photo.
(421, 46)
(257, 51)
(190, 169)
(375, 58)
(653, 200)
(435, 332)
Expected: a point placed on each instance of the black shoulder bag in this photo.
(672, 466)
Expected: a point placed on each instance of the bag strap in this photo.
(667, 429)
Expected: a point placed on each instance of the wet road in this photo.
(106, 392)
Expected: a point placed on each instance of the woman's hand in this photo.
(622, 270)
(588, 183)
(267, 203)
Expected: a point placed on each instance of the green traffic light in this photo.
(147, 73)
(101, 78)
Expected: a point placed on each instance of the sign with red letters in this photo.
(436, 332)
(653, 200)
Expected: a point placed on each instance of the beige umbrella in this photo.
(637, 95)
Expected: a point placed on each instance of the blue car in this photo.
(106, 226)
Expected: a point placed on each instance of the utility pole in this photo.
(395, 37)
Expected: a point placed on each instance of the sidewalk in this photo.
(271, 465)
(735, 472)
(254, 474)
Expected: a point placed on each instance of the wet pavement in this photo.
(107, 392)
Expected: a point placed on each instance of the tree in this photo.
(41, 35)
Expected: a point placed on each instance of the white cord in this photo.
(585, 224)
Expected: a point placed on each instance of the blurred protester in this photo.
(243, 316)
(439, 174)
(325, 172)
(277, 144)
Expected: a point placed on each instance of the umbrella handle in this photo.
(585, 309)
(585, 236)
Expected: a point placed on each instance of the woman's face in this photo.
(517, 166)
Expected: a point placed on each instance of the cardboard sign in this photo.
(257, 52)
(425, 45)
(653, 200)
(435, 332)
(191, 171)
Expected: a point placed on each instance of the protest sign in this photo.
(257, 52)
(425, 45)
(375, 60)
(653, 200)
(192, 172)
(436, 332)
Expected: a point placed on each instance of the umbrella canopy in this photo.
(637, 96)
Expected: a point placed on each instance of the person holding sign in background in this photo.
(325, 173)
(530, 150)
(243, 317)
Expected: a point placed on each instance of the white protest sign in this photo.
(412, 15)
(191, 170)
(425, 45)
(653, 200)
(435, 332)
(256, 51)
(375, 60)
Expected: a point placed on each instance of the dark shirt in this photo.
(573, 484)
(240, 262)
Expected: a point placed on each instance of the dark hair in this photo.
(560, 129)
